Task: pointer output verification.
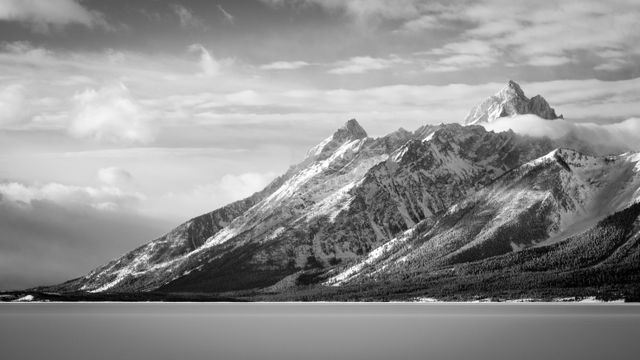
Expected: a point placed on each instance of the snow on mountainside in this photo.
(354, 208)
(280, 211)
(426, 176)
(351, 194)
(508, 102)
(359, 207)
(158, 261)
(539, 203)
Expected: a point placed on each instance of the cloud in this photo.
(462, 55)
(114, 176)
(561, 33)
(566, 32)
(424, 22)
(614, 64)
(591, 100)
(363, 9)
(186, 17)
(285, 65)
(476, 47)
(47, 242)
(602, 138)
(412, 105)
(40, 15)
(245, 98)
(25, 50)
(362, 64)
(549, 60)
(13, 104)
(101, 198)
(554, 35)
(228, 17)
(209, 65)
(240, 186)
(460, 62)
(111, 114)
(206, 197)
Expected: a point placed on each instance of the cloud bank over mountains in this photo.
(608, 138)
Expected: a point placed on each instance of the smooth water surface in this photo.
(179, 331)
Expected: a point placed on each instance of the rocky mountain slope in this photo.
(538, 204)
(359, 209)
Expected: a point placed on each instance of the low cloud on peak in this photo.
(602, 138)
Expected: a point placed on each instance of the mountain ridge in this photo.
(358, 208)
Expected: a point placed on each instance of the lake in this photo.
(282, 331)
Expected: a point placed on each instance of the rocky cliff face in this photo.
(540, 203)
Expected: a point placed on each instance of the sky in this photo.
(121, 119)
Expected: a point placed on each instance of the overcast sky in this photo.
(141, 114)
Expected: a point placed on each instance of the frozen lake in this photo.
(179, 331)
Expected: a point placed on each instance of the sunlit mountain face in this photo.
(177, 148)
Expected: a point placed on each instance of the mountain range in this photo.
(447, 211)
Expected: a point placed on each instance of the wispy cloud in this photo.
(549, 60)
(613, 60)
(227, 16)
(560, 33)
(209, 65)
(363, 64)
(101, 198)
(547, 35)
(41, 15)
(186, 17)
(363, 9)
(285, 65)
(26, 50)
(422, 23)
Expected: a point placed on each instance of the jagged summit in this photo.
(350, 131)
(512, 90)
(510, 101)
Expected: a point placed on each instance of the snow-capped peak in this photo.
(510, 101)
(511, 90)
(350, 131)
